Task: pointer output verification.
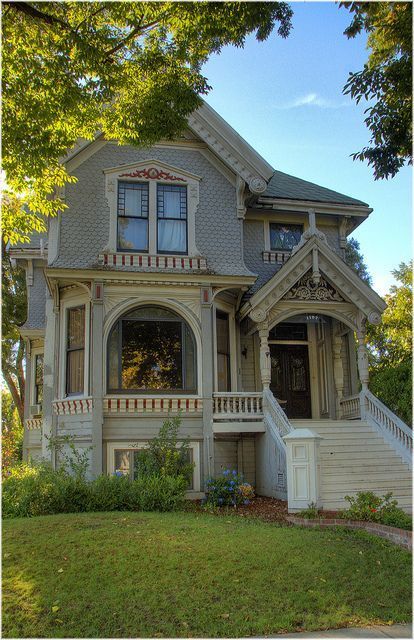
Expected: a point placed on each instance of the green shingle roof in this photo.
(282, 185)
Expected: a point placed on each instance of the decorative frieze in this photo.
(152, 173)
(72, 407)
(34, 423)
(307, 289)
(275, 257)
(152, 405)
(178, 263)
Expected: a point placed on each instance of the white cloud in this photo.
(313, 100)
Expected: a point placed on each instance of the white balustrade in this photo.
(276, 413)
(394, 430)
(237, 406)
(350, 407)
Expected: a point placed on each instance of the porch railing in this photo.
(275, 417)
(393, 429)
(351, 407)
(237, 406)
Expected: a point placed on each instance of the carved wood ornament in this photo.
(307, 289)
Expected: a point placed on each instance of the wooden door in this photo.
(290, 379)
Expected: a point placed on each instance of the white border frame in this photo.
(131, 446)
(191, 181)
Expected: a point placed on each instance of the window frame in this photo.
(70, 300)
(156, 392)
(71, 350)
(118, 216)
(134, 446)
(158, 218)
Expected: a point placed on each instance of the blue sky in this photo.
(285, 98)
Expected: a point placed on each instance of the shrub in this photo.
(229, 489)
(157, 493)
(165, 455)
(366, 505)
(109, 493)
(310, 513)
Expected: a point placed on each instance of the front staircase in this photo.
(354, 457)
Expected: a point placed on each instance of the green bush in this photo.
(366, 505)
(228, 489)
(393, 385)
(158, 493)
(109, 493)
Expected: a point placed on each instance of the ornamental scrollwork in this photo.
(152, 174)
(307, 289)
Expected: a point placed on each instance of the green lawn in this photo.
(188, 574)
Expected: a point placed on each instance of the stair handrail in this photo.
(395, 431)
(278, 418)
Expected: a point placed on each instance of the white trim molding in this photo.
(72, 407)
(34, 423)
(159, 262)
(276, 257)
(152, 172)
(156, 404)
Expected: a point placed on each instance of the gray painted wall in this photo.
(36, 318)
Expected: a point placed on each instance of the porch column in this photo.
(265, 362)
(338, 372)
(207, 332)
(97, 377)
(362, 357)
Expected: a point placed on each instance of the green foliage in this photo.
(311, 513)
(14, 312)
(76, 461)
(390, 345)
(158, 493)
(109, 67)
(11, 433)
(228, 489)
(165, 456)
(393, 386)
(355, 260)
(366, 505)
(385, 83)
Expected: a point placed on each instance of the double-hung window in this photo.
(171, 219)
(132, 216)
(75, 351)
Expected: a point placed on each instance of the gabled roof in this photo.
(283, 185)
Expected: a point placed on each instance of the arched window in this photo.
(151, 349)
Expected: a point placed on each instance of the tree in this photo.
(385, 82)
(11, 433)
(130, 70)
(390, 345)
(355, 260)
(14, 311)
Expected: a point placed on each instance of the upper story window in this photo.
(38, 382)
(75, 350)
(283, 237)
(133, 216)
(151, 349)
(171, 219)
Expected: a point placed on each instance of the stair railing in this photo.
(275, 418)
(391, 427)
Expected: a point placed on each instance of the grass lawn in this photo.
(188, 574)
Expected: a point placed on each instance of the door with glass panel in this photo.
(290, 379)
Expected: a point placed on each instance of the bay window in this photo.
(151, 349)
(75, 350)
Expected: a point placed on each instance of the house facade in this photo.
(193, 279)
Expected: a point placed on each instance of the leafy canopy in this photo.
(385, 82)
(130, 70)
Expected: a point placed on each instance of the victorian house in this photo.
(192, 278)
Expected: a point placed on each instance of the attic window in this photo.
(283, 237)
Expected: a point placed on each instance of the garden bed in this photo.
(401, 537)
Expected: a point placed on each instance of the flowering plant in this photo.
(228, 489)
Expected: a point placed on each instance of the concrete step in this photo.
(373, 470)
(359, 476)
(359, 455)
(352, 447)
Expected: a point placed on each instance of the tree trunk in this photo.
(18, 401)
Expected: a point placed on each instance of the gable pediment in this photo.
(315, 274)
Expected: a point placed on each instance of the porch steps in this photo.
(355, 457)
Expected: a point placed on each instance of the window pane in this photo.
(113, 381)
(171, 201)
(122, 461)
(172, 236)
(39, 379)
(284, 236)
(75, 370)
(133, 199)
(76, 328)
(151, 313)
(133, 234)
(190, 361)
(151, 355)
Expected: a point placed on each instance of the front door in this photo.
(290, 379)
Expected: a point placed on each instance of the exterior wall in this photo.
(249, 378)
(36, 300)
(238, 453)
(218, 230)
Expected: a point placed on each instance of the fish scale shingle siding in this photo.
(84, 229)
(36, 294)
(253, 254)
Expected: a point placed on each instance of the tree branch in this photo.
(25, 7)
(18, 403)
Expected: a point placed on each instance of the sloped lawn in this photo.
(188, 574)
